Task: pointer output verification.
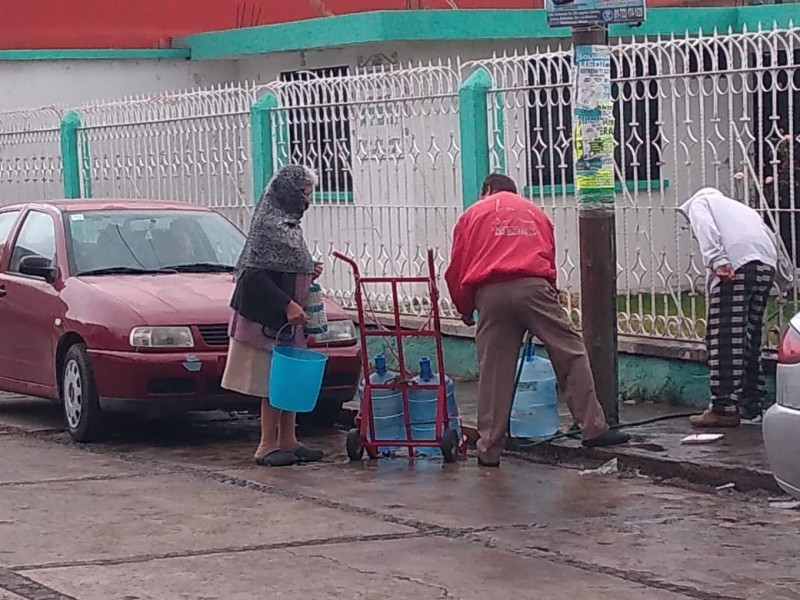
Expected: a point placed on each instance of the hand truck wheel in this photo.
(449, 445)
(355, 450)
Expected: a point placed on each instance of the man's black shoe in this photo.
(611, 437)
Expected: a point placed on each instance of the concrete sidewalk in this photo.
(175, 509)
(655, 450)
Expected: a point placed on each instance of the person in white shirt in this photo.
(741, 255)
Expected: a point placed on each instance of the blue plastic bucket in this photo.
(295, 378)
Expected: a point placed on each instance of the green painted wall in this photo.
(641, 378)
(669, 380)
(460, 359)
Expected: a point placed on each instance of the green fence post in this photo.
(86, 165)
(261, 142)
(70, 156)
(474, 127)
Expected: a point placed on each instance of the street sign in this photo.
(584, 13)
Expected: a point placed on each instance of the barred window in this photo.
(319, 130)
(636, 128)
(775, 98)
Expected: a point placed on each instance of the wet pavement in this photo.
(656, 449)
(176, 510)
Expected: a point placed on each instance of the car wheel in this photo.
(79, 396)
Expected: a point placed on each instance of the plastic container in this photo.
(422, 407)
(534, 414)
(387, 405)
(295, 378)
(315, 309)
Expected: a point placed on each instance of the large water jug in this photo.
(534, 414)
(387, 405)
(422, 406)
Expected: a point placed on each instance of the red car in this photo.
(119, 305)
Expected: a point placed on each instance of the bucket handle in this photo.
(279, 341)
(278, 333)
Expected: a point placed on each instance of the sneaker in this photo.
(755, 420)
(612, 437)
(710, 419)
(751, 414)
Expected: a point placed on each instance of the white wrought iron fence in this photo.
(718, 110)
(715, 110)
(189, 146)
(30, 157)
(386, 146)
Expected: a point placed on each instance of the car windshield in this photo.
(151, 242)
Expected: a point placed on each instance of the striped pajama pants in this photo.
(733, 338)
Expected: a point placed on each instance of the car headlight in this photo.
(338, 331)
(162, 337)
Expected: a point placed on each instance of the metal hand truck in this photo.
(363, 437)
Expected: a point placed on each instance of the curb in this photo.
(707, 474)
(658, 467)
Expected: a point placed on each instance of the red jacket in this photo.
(500, 238)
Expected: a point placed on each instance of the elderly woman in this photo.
(274, 275)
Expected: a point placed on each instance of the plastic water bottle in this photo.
(422, 406)
(387, 405)
(315, 309)
(534, 414)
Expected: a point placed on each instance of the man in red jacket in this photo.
(503, 265)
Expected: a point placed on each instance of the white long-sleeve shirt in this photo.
(728, 233)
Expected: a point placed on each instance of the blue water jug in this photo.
(387, 405)
(422, 406)
(534, 414)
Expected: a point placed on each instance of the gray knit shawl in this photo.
(275, 241)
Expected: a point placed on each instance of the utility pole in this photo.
(595, 187)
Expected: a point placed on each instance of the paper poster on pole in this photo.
(593, 125)
(578, 13)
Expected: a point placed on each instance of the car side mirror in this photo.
(38, 266)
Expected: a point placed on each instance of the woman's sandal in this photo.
(307, 455)
(277, 458)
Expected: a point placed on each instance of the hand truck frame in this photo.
(363, 437)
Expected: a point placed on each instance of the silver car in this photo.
(781, 428)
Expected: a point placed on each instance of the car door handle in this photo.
(3, 291)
